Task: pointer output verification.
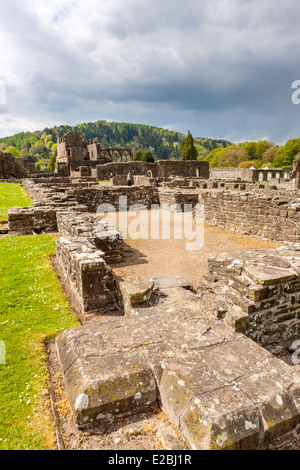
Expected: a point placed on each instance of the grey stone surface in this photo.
(133, 292)
(166, 282)
(221, 390)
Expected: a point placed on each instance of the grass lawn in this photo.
(12, 195)
(33, 307)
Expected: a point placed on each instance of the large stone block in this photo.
(133, 292)
(221, 420)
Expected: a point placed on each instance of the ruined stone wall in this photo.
(27, 220)
(180, 199)
(94, 197)
(246, 174)
(86, 274)
(11, 168)
(160, 169)
(232, 172)
(97, 232)
(265, 215)
(94, 149)
(28, 165)
(47, 203)
(258, 294)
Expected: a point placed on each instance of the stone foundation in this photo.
(87, 274)
(205, 358)
(220, 389)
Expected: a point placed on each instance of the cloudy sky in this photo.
(219, 68)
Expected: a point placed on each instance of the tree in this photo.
(232, 156)
(54, 149)
(24, 153)
(248, 164)
(138, 156)
(13, 151)
(51, 164)
(188, 149)
(148, 157)
(261, 147)
(269, 155)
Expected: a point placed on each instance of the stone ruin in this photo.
(208, 355)
(79, 157)
(14, 168)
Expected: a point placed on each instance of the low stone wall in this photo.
(119, 180)
(47, 203)
(232, 172)
(87, 274)
(247, 174)
(25, 221)
(88, 226)
(264, 215)
(29, 220)
(180, 199)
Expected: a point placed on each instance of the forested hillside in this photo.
(255, 154)
(164, 144)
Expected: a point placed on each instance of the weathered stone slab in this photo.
(276, 406)
(222, 419)
(268, 276)
(125, 385)
(168, 282)
(221, 390)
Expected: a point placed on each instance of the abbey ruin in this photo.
(210, 354)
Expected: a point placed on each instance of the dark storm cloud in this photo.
(222, 68)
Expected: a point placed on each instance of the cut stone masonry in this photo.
(206, 356)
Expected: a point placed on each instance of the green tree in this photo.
(48, 138)
(249, 164)
(269, 155)
(24, 153)
(148, 157)
(261, 147)
(13, 151)
(54, 149)
(51, 164)
(188, 149)
(232, 156)
(138, 156)
(250, 147)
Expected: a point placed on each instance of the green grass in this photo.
(104, 181)
(12, 195)
(33, 307)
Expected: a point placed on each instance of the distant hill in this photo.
(164, 144)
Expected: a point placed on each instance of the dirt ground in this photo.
(147, 258)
